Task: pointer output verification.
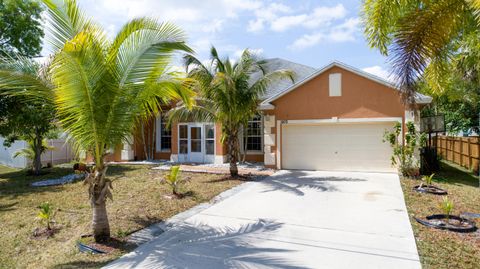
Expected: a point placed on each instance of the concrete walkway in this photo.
(292, 219)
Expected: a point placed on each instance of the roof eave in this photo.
(266, 106)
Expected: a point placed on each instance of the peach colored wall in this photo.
(175, 138)
(361, 98)
(254, 158)
(220, 149)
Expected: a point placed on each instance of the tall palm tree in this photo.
(103, 88)
(228, 94)
(419, 36)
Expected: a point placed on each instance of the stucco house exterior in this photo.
(332, 118)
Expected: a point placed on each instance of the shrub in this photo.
(403, 153)
(46, 214)
(173, 179)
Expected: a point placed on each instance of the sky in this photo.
(309, 32)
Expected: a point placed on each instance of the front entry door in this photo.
(195, 146)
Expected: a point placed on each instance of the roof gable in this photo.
(266, 104)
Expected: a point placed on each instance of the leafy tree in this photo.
(21, 33)
(457, 94)
(103, 88)
(23, 118)
(419, 36)
(227, 95)
(21, 30)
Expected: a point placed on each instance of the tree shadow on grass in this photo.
(453, 174)
(16, 183)
(243, 178)
(8, 207)
(145, 221)
(82, 264)
(296, 181)
(202, 246)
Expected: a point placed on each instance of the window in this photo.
(183, 138)
(335, 84)
(253, 134)
(164, 135)
(209, 139)
(196, 139)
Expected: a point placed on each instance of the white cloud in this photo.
(214, 26)
(379, 72)
(275, 15)
(265, 15)
(345, 32)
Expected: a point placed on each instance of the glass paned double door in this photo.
(196, 142)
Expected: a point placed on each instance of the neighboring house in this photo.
(333, 118)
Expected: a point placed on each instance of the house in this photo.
(333, 118)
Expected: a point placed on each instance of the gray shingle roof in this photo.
(300, 73)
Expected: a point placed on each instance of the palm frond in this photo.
(416, 44)
(20, 76)
(65, 21)
(145, 53)
(196, 113)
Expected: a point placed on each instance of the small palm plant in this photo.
(30, 151)
(46, 214)
(428, 179)
(173, 180)
(447, 207)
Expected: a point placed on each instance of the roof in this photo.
(300, 73)
(284, 89)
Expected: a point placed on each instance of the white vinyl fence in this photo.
(6, 154)
(62, 153)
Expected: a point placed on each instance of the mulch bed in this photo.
(430, 189)
(451, 223)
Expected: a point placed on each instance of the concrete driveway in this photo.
(293, 219)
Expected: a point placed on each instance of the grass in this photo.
(445, 249)
(139, 200)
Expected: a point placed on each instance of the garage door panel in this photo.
(351, 147)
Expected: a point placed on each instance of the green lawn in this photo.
(138, 202)
(444, 249)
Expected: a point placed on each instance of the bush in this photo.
(403, 153)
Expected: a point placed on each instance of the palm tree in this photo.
(228, 94)
(103, 88)
(419, 36)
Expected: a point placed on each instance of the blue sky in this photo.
(310, 32)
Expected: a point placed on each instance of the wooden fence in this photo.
(464, 151)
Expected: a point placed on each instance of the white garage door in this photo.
(347, 147)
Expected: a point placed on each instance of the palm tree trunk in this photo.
(98, 194)
(100, 224)
(37, 160)
(233, 153)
